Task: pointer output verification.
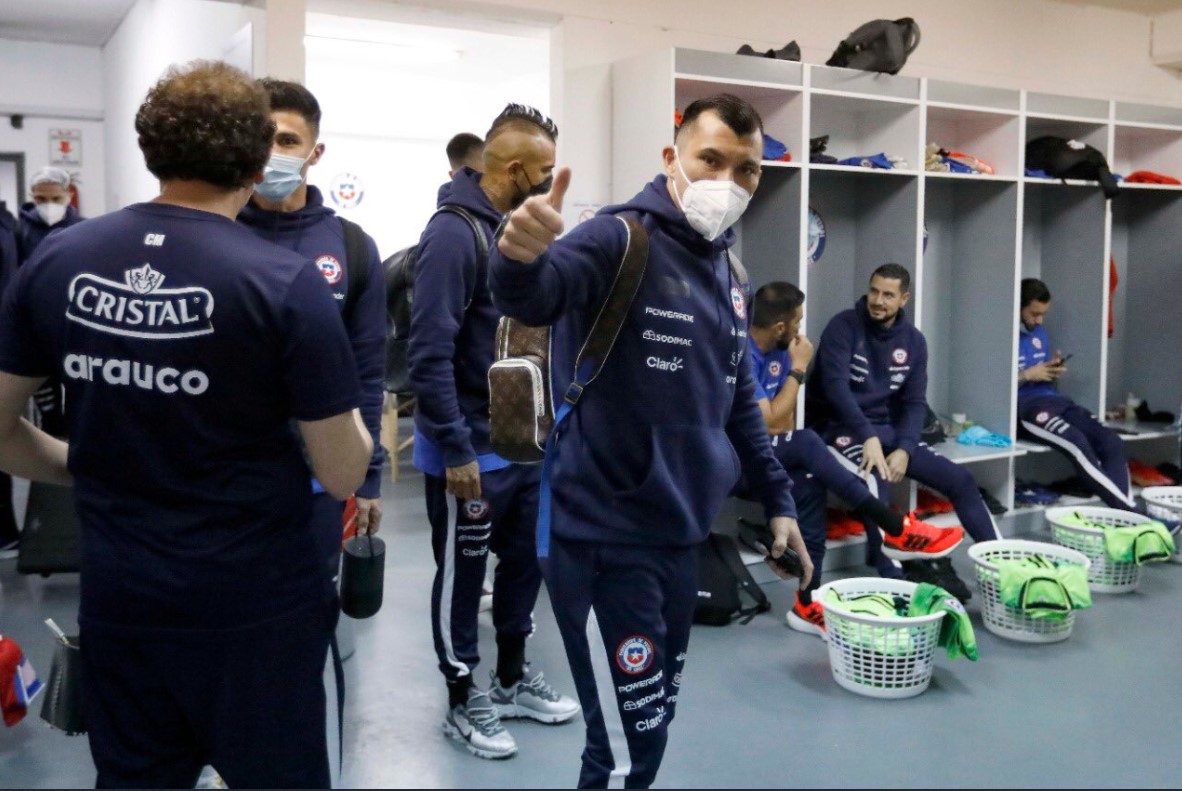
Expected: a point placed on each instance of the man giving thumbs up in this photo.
(654, 446)
(477, 501)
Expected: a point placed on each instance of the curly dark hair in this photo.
(205, 121)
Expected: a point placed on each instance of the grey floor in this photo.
(759, 707)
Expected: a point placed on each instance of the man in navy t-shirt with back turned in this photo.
(868, 400)
(654, 445)
(187, 346)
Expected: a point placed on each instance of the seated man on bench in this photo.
(869, 401)
(780, 356)
(1048, 418)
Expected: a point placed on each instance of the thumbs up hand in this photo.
(535, 224)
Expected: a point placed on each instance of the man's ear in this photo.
(669, 155)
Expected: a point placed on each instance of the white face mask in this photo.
(51, 213)
(710, 206)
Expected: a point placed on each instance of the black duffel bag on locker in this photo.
(1061, 158)
(881, 45)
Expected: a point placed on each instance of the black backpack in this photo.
(1070, 159)
(356, 264)
(400, 280)
(723, 580)
(881, 45)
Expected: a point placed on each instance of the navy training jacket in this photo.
(658, 441)
(453, 328)
(316, 232)
(866, 375)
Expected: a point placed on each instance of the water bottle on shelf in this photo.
(1131, 404)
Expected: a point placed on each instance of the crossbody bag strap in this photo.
(592, 357)
(613, 312)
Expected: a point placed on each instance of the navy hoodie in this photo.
(33, 229)
(656, 442)
(315, 232)
(867, 375)
(453, 327)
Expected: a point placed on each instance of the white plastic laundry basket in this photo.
(1011, 622)
(874, 656)
(1165, 502)
(1105, 575)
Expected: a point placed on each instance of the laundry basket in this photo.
(1105, 575)
(874, 656)
(1165, 502)
(1011, 622)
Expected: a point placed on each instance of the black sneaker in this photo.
(1170, 471)
(992, 503)
(938, 572)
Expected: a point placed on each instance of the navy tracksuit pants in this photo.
(624, 612)
(1097, 453)
(161, 704)
(462, 534)
(932, 470)
(815, 471)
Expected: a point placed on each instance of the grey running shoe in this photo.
(478, 726)
(532, 697)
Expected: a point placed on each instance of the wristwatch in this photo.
(797, 375)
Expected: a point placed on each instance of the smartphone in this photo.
(789, 563)
(1066, 357)
(759, 538)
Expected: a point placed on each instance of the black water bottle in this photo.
(362, 575)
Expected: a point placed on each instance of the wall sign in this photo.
(65, 146)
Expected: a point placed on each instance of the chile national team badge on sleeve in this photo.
(739, 302)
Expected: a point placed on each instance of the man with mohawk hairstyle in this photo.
(477, 501)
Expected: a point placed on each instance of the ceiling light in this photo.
(381, 51)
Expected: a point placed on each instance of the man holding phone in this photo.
(1048, 418)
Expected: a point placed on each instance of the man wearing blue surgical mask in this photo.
(286, 210)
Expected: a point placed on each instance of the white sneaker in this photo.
(477, 725)
(10, 550)
(533, 698)
(210, 779)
